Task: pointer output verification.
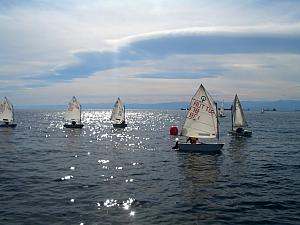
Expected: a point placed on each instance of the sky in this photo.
(148, 51)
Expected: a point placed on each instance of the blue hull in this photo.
(13, 125)
(122, 125)
(78, 126)
(200, 147)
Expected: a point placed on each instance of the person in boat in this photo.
(73, 122)
(239, 130)
(176, 144)
(192, 140)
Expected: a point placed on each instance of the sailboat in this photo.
(201, 122)
(7, 114)
(238, 120)
(73, 114)
(262, 110)
(222, 111)
(118, 115)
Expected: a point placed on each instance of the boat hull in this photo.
(12, 125)
(121, 125)
(244, 133)
(76, 126)
(200, 147)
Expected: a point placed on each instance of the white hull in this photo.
(200, 147)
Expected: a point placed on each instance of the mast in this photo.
(231, 117)
(80, 113)
(124, 114)
(218, 135)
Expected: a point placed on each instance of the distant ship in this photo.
(267, 109)
(185, 109)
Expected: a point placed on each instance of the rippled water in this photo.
(101, 175)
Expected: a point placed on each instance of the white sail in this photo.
(118, 112)
(238, 117)
(6, 111)
(222, 111)
(201, 120)
(73, 112)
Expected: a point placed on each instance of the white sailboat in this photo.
(118, 115)
(238, 120)
(73, 114)
(201, 122)
(7, 114)
(222, 110)
(262, 110)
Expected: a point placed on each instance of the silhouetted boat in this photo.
(238, 120)
(7, 114)
(118, 115)
(73, 114)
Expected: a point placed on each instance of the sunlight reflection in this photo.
(125, 204)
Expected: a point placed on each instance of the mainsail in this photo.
(201, 120)
(118, 112)
(73, 112)
(6, 111)
(238, 117)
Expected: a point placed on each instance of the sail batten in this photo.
(201, 119)
(118, 112)
(73, 112)
(6, 111)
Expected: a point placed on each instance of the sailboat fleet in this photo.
(202, 123)
(200, 127)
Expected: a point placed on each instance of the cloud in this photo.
(140, 49)
(162, 45)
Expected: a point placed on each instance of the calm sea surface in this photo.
(101, 175)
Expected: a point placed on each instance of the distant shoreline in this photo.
(280, 105)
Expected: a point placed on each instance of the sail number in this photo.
(198, 106)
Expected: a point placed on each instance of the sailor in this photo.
(176, 144)
(192, 140)
(239, 130)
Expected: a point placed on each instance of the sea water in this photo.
(100, 175)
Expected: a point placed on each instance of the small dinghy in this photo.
(201, 123)
(73, 114)
(238, 120)
(118, 115)
(7, 114)
(222, 110)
